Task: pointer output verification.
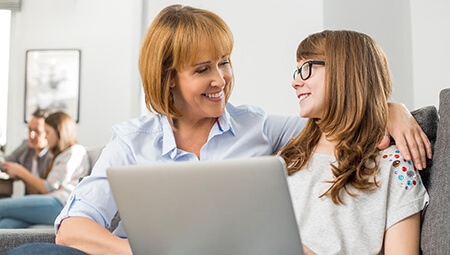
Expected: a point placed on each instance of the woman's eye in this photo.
(202, 70)
(225, 61)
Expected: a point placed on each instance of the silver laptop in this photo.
(233, 206)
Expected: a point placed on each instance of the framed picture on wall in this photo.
(52, 82)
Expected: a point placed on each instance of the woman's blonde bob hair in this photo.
(357, 86)
(175, 38)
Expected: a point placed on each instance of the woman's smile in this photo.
(216, 97)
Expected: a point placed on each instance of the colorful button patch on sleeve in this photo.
(405, 173)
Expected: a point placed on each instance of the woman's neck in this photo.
(191, 124)
(190, 135)
(325, 146)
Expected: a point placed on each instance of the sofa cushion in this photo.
(428, 119)
(435, 236)
(93, 155)
(11, 238)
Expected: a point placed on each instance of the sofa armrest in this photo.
(435, 235)
(11, 238)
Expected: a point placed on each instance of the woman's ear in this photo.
(173, 82)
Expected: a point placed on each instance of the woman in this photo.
(367, 201)
(49, 195)
(187, 78)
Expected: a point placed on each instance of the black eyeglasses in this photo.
(305, 70)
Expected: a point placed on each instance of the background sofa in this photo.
(435, 233)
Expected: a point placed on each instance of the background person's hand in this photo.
(408, 135)
(13, 169)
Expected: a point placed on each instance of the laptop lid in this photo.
(233, 206)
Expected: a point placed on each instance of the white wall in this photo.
(108, 35)
(413, 33)
(4, 67)
(431, 50)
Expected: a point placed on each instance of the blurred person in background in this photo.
(33, 154)
(48, 194)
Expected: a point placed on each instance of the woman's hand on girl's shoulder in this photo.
(307, 251)
(408, 135)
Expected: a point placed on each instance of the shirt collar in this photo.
(168, 139)
(43, 152)
(222, 125)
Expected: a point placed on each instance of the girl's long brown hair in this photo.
(66, 131)
(357, 85)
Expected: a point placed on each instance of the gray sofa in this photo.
(435, 235)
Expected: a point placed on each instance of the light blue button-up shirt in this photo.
(245, 131)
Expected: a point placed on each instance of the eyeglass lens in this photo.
(33, 133)
(304, 71)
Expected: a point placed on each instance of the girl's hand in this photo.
(408, 135)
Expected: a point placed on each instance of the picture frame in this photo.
(52, 81)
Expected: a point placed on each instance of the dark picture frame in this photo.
(52, 81)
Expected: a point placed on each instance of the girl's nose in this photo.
(298, 82)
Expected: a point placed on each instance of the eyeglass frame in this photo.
(298, 72)
(34, 133)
